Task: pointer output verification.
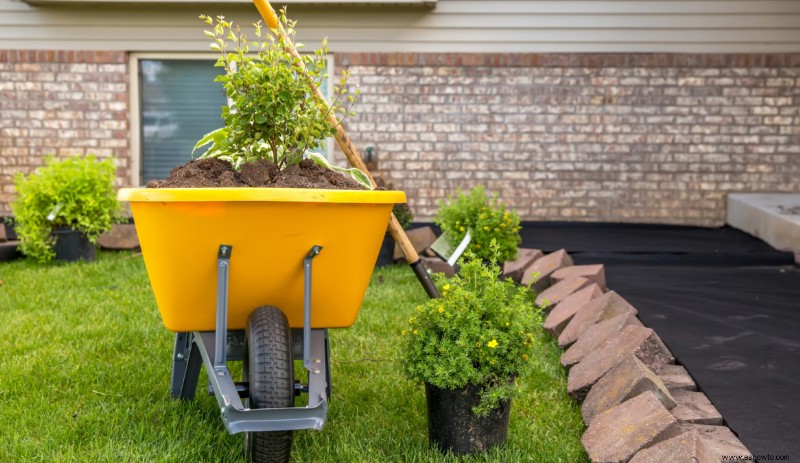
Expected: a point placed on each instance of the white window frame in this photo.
(135, 106)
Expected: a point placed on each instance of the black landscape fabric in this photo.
(733, 321)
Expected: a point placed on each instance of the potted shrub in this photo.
(63, 207)
(468, 348)
(486, 218)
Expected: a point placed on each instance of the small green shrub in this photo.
(271, 113)
(76, 192)
(486, 218)
(481, 331)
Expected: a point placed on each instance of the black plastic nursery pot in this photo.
(8, 224)
(386, 254)
(453, 427)
(72, 245)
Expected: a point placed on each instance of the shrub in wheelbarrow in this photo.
(229, 240)
(468, 348)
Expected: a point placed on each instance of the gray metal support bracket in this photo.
(211, 348)
(223, 267)
(308, 363)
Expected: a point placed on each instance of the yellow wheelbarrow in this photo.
(231, 270)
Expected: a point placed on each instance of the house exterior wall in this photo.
(652, 138)
(61, 103)
(638, 110)
(476, 26)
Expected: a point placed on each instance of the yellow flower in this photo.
(419, 308)
(507, 323)
(416, 331)
(492, 344)
(460, 228)
(485, 228)
(446, 287)
(405, 332)
(411, 320)
(440, 309)
(524, 356)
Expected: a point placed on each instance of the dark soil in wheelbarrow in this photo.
(217, 173)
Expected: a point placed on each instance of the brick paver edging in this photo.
(638, 405)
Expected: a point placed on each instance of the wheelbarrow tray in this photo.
(270, 230)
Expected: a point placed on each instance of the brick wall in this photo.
(62, 103)
(598, 137)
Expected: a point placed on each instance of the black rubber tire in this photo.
(269, 367)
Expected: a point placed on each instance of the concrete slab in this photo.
(775, 218)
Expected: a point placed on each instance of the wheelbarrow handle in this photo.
(349, 150)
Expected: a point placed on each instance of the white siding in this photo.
(734, 26)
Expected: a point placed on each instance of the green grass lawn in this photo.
(86, 371)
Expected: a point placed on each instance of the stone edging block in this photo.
(598, 309)
(563, 312)
(595, 273)
(596, 336)
(614, 358)
(695, 408)
(560, 291)
(688, 447)
(635, 340)
(616, 435)
(525, 258)
(537, 276)
(625, 381)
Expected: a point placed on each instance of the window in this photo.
(177, 102)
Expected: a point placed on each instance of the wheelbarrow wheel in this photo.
(269, 368)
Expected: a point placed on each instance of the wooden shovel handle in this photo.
(349, 150)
